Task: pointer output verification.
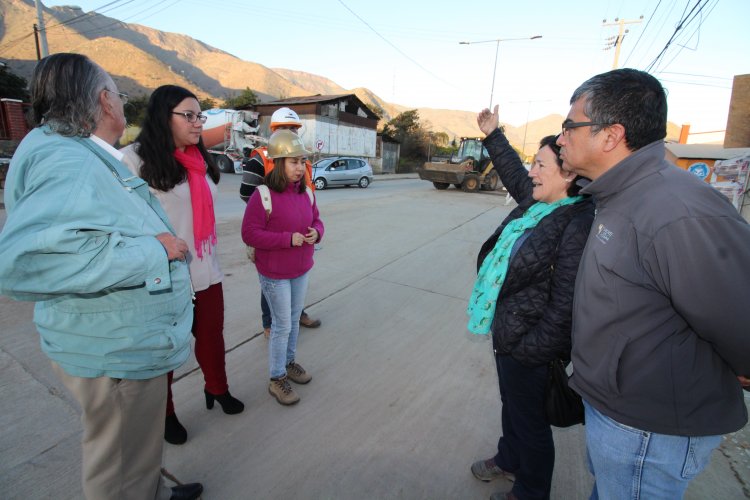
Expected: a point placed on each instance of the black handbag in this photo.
(562, 404)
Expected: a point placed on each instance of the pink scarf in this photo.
(204, 222)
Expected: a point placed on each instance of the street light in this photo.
(525, 127)
(497, 49)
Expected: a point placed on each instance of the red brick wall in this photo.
(738, 121)
(14, 123)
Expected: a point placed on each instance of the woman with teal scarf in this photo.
(523, 296)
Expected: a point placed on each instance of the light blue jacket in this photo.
(79, 240)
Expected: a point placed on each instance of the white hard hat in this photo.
(284, 117)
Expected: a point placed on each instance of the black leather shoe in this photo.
(229, 403)
(189, 491)
(174, 432)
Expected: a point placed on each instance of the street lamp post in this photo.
(497, 49)
(525, 127)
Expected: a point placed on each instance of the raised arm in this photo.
(505, 160)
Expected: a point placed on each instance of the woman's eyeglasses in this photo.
(191, 117)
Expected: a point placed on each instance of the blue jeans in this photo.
(266, 311)
(628, 463)
(285, 299)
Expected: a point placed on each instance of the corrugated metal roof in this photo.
(318, 98)
(307, 99)
(706, 151)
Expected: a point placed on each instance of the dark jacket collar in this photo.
(639, 165)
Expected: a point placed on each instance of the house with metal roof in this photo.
(332, 125)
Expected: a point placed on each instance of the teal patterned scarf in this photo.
(491, 275)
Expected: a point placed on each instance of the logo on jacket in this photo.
(603, 234)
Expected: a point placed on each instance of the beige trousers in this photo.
(123, 435)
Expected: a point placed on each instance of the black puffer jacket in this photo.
(533, 316)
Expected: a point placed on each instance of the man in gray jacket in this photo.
(660, 317)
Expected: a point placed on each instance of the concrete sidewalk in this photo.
(401, 402)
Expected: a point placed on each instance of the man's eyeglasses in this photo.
(191, 117)
(568, 125)
(123, 97)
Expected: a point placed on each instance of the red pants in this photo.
(208, 330)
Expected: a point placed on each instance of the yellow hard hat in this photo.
(286, 144)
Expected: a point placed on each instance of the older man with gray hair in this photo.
(87, 243)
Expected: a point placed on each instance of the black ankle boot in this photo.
(229, 403)
(189, 491)
(174, 432)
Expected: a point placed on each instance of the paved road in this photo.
(402, 398)
(229, 204)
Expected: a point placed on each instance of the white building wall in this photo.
(307, 132)
(337, 139)
(342, 140)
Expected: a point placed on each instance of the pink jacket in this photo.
(271, 236)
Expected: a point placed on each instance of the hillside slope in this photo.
(157, 58)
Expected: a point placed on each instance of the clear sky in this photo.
(408, 52)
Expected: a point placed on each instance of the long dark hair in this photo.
(156, 143)
(276, 178)
(551, 142)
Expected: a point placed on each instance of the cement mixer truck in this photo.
(227, 134)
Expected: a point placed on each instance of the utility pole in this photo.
(36, 41)
(526, 127)
(39, 27)
(620, 35)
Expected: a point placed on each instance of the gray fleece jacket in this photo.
(661, 314)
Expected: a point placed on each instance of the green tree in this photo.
(246, 98)
(403, 125)
(407, 129)
(135, 109)
(377, 109)
(207, 103)
(13, 86)
(440, 139)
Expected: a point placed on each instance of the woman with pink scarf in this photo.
(169, 155)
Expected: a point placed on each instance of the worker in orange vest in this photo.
(254, 171)
(259, 164)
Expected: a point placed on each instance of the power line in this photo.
(17, 41)
(115, 22)
(642, 32)
(12, 43)
(662, 18)
(696, 30)
(693, 74)
(86, 14)
(684, 22)
(122, 23)
(697, 84)
(395, 47)
(154, 13)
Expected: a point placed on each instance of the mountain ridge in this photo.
(156, 58)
